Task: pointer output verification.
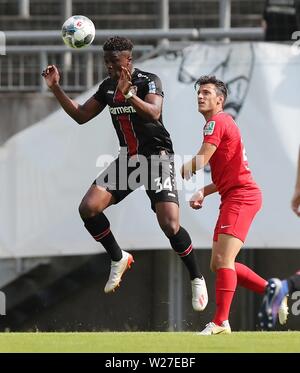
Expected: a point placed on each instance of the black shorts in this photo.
(155, 173)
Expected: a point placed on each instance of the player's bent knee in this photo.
(219, 260)
(96, 200)
(87, 209)
(170, 228)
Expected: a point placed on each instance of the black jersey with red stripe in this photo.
(139, 135)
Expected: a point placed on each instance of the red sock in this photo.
(225, 287)
(249, 279)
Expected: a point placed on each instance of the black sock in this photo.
(98, 226)
(182, 244)
(293, 283)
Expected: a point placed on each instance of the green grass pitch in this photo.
(151, 342)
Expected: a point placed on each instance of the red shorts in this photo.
(237, 212)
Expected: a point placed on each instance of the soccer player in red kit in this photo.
(241, 198)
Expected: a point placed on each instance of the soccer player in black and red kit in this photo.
(134, 98)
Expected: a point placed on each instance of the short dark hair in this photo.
(118, 43)
(211, 79)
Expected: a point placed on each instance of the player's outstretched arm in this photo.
(199, 160)
(80, 113)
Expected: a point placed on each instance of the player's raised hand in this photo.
(124, 83)
(197, 200)
(51, 75)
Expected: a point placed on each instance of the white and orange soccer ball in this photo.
(78, 32)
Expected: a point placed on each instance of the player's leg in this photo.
(224, 253)
(168, 218)
(96, 200)
(163, 194)
(237, 214)
(223, 256)
(252, 281)
(103, 193)
(91, 208)
(231, 229)
(241, 214)
(162, 191)
(249, 279)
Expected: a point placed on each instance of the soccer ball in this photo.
(78, 32)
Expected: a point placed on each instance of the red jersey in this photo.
(229, 166)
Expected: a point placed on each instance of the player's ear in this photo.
(221, 100)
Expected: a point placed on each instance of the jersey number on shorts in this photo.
(167, 184)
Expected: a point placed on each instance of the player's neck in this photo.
(209, 114)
